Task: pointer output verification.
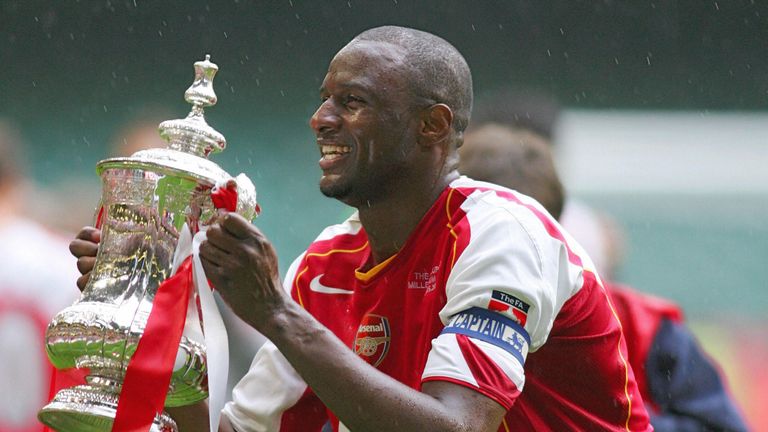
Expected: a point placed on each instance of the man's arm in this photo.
(242, 265)
(365, 398)
(194, 418)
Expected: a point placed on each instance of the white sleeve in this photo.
(270, 387)
(503, 294)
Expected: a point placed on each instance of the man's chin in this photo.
(334, 191)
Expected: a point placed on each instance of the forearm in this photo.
(194, 418)
(361, 396)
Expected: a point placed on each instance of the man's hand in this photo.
(84, 248)
(242, 266)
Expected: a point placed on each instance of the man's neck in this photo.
(390, 222)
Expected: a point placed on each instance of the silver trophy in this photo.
(148, 199)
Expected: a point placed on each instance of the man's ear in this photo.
(436, 124)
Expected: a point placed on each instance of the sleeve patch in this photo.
(503, 302)
(487, 326)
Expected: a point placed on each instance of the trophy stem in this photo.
(92, 407)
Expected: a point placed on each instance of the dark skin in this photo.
(367, 126)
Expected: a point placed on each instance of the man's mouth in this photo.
(333, 152)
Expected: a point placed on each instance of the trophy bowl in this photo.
(148, 200)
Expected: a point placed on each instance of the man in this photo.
(35, 283)
(679, 384)
(445, 289)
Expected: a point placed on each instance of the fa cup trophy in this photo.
(152, 204)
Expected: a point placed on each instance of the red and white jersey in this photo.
(488, 293)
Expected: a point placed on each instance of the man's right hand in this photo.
(84, 248)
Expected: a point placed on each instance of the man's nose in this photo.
(325, 118)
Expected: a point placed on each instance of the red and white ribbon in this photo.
(174, 312)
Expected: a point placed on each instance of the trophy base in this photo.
(86, 409)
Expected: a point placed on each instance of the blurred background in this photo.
(662, 127)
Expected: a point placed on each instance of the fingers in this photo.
(232, 232)
(90, 234)
(213, 254)
(86, 243)
(82, 281)
(85, 264)
(237, 226)
(83, 248)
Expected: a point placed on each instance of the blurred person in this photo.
(523, 108)
(452, 293)
(37, 280)
(528, 109)
(139, 132)
(599, 233)
(680, 384)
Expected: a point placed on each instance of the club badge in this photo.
(372, 339)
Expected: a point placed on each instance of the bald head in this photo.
(437, 72)
(514, 158)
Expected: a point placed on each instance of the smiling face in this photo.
(366, 125)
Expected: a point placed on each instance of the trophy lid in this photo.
(193, 134)
(190, 140)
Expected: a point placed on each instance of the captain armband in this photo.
(493, 328)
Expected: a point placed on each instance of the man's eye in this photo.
(354, 101)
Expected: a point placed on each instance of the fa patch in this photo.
(503, 302)
(372, 339)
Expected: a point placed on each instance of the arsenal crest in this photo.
(372, 339)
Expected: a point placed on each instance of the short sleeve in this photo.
(503, 294)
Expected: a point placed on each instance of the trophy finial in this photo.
(192, 134)
(200, 93)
